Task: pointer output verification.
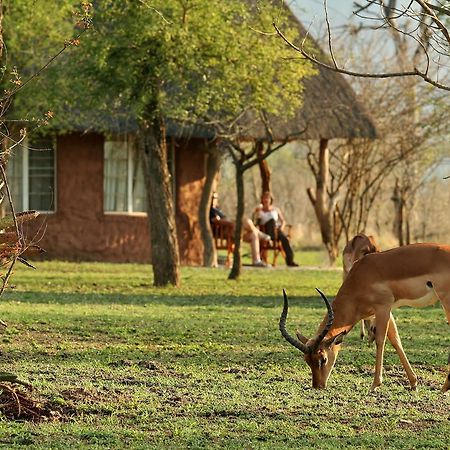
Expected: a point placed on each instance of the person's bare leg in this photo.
(251, 227)
(251, 235)
(254, 243)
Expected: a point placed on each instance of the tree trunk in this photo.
(2, 44)
(398, 213)
(209, 249)
(236, 268)
(161, 216)
(264, 169)
(408, 230)
(323, 206)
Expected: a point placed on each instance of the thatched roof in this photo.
(330, 110)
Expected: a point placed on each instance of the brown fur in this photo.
(361, 245)
(446, 386)
(355, 249)
(414, 275)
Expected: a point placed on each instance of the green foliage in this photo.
(185, 59)
(34, 31)
(204, 366)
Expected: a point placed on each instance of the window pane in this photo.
(115, 176)
(41, 171)
(15, 179)
(139, 193)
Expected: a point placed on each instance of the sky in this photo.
(311, 14)
(312, 11)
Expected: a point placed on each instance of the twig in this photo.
(412, 73)
(38, 72)
(8, 273)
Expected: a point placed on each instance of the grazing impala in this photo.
(361, 245)
(414, 275)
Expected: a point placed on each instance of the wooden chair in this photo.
(273, 245)
(223, 239)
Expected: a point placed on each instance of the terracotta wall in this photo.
(190, 169)
(80, 230)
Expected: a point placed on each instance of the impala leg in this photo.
(446, 306)
(443, 293)
(362, 333)
(396, 342)
(381, 323)
(444, 297)
(370, 326)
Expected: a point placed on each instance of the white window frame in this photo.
(130, 170)
(26, 177)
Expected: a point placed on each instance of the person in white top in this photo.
(274, 224)
(251, 234)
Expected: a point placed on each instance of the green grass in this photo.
(204, 366)
(306, 258)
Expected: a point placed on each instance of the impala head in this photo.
(319, 353)
(361, 245)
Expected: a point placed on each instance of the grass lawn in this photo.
(204, 366)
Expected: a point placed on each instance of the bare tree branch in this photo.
(418, 20)
(412, 73)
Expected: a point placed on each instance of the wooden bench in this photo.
(223, 239)
(274, 245)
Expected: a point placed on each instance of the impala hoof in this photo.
(375, 386)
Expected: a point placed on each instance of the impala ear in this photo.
(353, 241)
(336, 340)
(301, 338)
(374, 245)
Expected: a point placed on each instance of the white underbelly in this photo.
(430, 298)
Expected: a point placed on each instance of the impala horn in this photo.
(315, 344)
(296, 343)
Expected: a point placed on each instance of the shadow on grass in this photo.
(63, 298)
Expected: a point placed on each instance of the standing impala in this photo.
(414, 275)
(360, 246)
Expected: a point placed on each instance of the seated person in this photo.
(273, 220)
(251, 233)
